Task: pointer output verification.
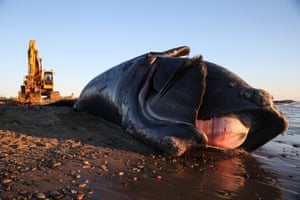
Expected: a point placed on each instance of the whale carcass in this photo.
(175, 103)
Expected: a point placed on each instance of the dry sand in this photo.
(55, 153)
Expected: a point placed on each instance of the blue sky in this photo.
(257, 39)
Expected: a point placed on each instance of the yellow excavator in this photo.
(38, 83)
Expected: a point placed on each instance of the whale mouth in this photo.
(246, 129)
(226, 132)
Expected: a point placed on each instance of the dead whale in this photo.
(176, 103)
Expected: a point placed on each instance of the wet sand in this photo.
(56, 153)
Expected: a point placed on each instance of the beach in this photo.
(50, 152)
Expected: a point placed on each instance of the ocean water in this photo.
(292, 112)
(291, 138)
(281, 156)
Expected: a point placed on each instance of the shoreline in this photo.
(285, 101)
(56, 153)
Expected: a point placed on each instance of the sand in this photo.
(51, 152)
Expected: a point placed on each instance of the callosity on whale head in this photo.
(175, 103)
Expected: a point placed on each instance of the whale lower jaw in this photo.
(177, 146)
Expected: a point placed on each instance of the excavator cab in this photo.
(48, 80)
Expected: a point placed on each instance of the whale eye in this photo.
(232, 84)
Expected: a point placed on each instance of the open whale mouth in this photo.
(246, 129)
(227, 132)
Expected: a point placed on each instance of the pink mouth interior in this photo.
(226, 132)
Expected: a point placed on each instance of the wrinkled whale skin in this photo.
(158, 96)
